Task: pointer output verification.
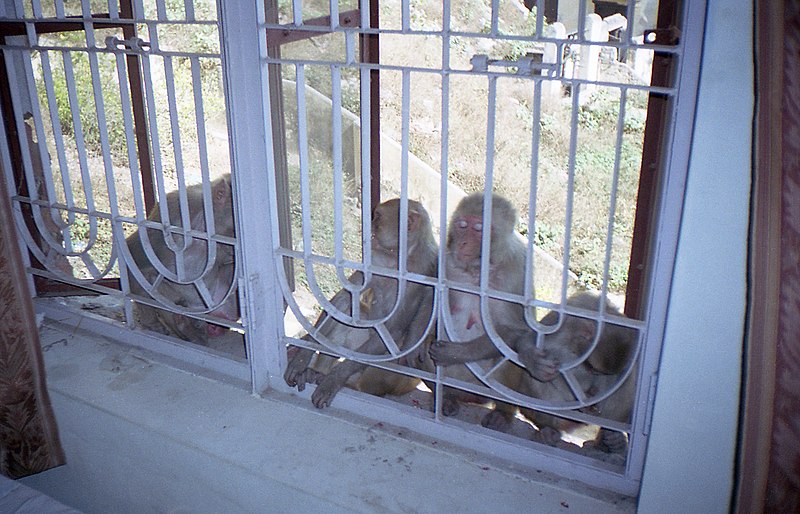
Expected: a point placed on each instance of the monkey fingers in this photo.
(547, 435)
(613, 441)
(325, 392)
(538, 365)
(295, 374)
(445, 353)
(330, 384)
(450, 406)
(497, 420)
(309, 376)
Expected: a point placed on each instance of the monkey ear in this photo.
(220, 191)
(585, 329)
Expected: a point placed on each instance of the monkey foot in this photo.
(609, 441)
(547, 435)
(450, 407)
(443, 354)
(496, 420)
(215, 330)
(324, 393)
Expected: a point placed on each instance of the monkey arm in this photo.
(295, 374)
(538, 363)
(445, 353)
(331, 383)
(408, 325)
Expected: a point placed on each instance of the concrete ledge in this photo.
(143, 437)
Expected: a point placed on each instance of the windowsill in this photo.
(139, 434)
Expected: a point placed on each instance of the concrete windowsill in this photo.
(142, 436)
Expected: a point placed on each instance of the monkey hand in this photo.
(298, 374)
(325, 392)
(539, 364)
(445, 353)
(309, 376)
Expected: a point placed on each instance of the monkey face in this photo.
(466, 233)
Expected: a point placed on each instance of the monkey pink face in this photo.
(225, 312)
(467, 231)
(384, 229)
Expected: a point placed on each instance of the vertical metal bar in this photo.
(40, 227)
(47, 171)
(247, 94)
(38, 129)
(573, 146)
(540, 9)
(113, 11)
(629, 31)
(495, 7)
(159, 175)
(36, 6)
(58, 136)
(202, 148)
(161, 11)
(77, 131)
(582, 22)
(132, 61)
(302, 150)
(491, 117)
(404, 145)
(529, 291)
(297, 12)
(104, 143)
(690, 17)
(188, 6)
(334, 10)
(367, 182)
(129, 124)
(177, 150)
(336, 123)
(22, 176)
(623, 97)
(278, 137)
(440, 300)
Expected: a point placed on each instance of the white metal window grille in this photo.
(112, 108)
(490, 97)
(363, 102)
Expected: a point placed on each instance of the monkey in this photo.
(219, 280)
(572, 340)
(410, 315)
(466, 339)
(600, 371)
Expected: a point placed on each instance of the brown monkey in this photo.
(506, 272)
(410, 315)
(218, 280)
(599, 372)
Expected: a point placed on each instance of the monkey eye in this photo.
(478, 226)
(462, 224)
